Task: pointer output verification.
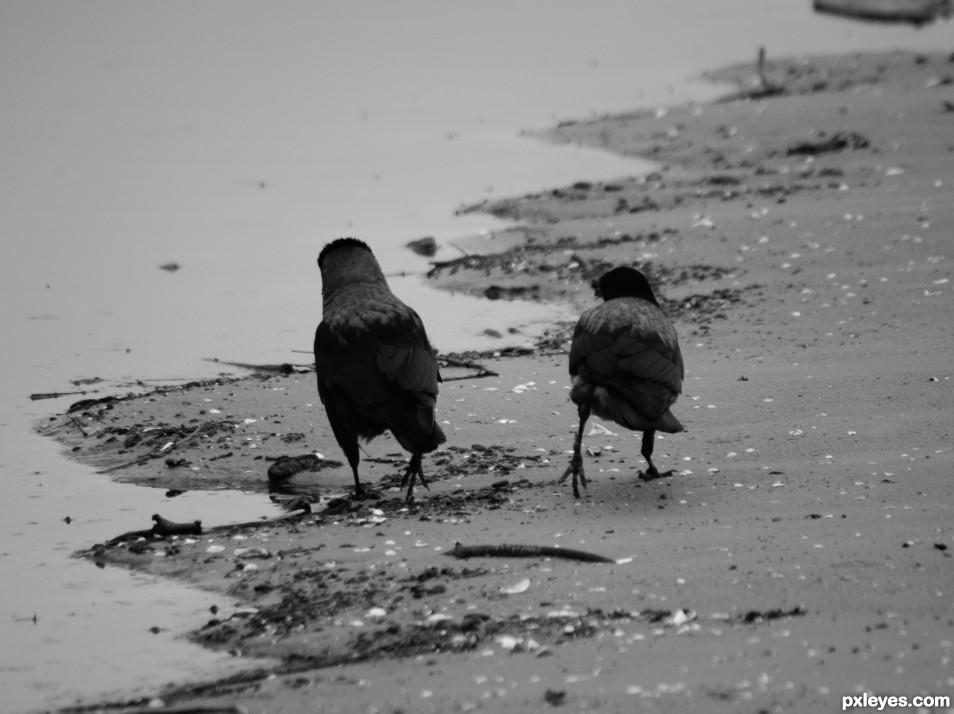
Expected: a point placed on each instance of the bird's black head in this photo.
(625, 282)
(341, 243)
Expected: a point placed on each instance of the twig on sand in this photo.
(482, 371)
(78, 425)
(194, 709)
(457, 247)
(762, 89)
(768, 88)
(505, 550)
(283, 368)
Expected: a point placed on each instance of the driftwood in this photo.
(504, 550)
(161, 528)
(194, 709)
(766, 87)
(838, 141)
(165, 527)
(283, 368)
(482, 371)
(769, 88)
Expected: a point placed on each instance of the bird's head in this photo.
(348, 260)
(340, 244)
(624, 282)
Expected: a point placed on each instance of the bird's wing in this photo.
(379, 367)
(390, 345)
(628, 346)
(405, 356)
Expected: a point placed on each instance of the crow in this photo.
(626, 365)
(376, 368)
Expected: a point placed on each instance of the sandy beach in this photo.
(799, 236)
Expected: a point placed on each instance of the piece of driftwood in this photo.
(283, 368)
(839, 141)
(161, 527)
(506, 550)
(482, 371)
(165, 527)
(769, 88)
(194, 709)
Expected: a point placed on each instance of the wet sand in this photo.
(799, 553)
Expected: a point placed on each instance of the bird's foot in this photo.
(651, 474)
(364, 494)
(579, 476)
(414, 470)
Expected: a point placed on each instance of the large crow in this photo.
(626, 365)
(376, 368)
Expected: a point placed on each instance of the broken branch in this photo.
(505, 550)
(165, 527)
(482, 371)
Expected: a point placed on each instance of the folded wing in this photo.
(381, 373)
(627, 352)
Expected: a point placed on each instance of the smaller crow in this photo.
(626, 365)
(377, 371)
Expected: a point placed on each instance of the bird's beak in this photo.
(595, 284)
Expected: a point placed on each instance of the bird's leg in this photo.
(351, 452)
(359, 492)
(649, 439)
(348, 441)
(576, 462)
(414, 468)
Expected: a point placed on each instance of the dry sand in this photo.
(801, 552)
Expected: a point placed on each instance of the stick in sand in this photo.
(504, 550)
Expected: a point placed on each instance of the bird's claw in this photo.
(651, 474)
(576, 469)
(413, 471)
(364, 494)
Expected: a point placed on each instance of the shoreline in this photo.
(798, 241)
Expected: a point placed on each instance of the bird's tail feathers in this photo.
(414, 426)
(668, 423)
(420, 442)
(611, 406)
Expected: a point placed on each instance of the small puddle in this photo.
(72, 632)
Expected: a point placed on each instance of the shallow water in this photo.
(235, 139)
